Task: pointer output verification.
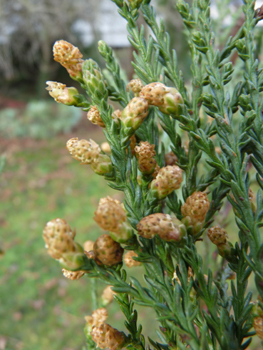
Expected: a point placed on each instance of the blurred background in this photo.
(39, 308)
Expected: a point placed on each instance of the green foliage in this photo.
(195, 311)
(39, 120)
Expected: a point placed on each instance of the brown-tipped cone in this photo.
(107, 295)
(93, 115)
(170, 159)
(73, 275)
(134, 114)
(167, 99)
(129, 261)
(58, 237)
(167, 180)
(84, 151)
(61, 93)
(196, 206)
(109, 214)
(69, 57)
(107, 251)
(145, 153)
(133, 144)
(88, 245)
(135, 85)
(99, 316)
(217, 235)
(106, 336)
(258, 326)
(167, 227)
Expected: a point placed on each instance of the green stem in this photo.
(94, 294)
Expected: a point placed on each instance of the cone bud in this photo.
(102, 164)
(99, 316)
(217, 235)
(111, 216)
(167, 180)
(167, 227)
(107, 295)
(93, 115)
(134, 114)
(170, 159)
(69, 57)
(116, 114)
(135, 85)
(62, 94)
(84, 151)
(94, 80)
(133, 144)
(145, 153)
(88, 246)
(59, 239)
(107, 251)
(196, 207)
(105, 147)
(129, 261)
(167, 99)
(106, 336)
(156, 171)
(73, 275)
(258, 326)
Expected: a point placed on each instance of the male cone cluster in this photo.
(167, 99)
